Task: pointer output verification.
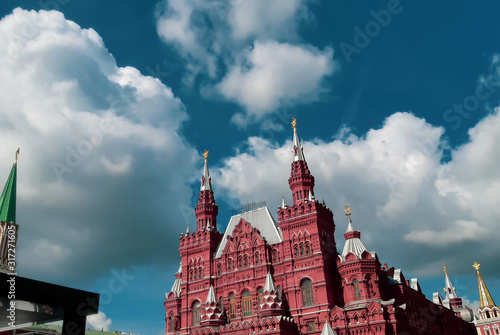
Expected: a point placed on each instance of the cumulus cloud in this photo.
(250, 50)
(405, 200)
(90, 132)
(271, 75)
(456, 232)
(99, 321)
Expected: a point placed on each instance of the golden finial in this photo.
(205, 155)
(294, 124)
(476, 266)
(347, 211)
(17, 154)
(444, 269)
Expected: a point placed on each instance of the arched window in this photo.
(357, 291)
(246, 303)
(200, 273)
(278, 291)
(275, 256)
(261, 293)
(230, 264)
(302, 250)
(191, 275)
(257, 258)
(232, 305)
(241, 262)
(296, 251)
(219, 269)
(308, 249)
(245, 260)
(196, 314)
(171, 323)
(307, 293)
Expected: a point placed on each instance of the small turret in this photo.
(270, 304)
(212, 315)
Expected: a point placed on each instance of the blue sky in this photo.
(113, 102)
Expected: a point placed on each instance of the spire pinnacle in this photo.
(449, 289)
(8, 197)
(283, 203)
(485, 299)
(269, 285)
(206, 180)
(297, 147)
(327, 329)
(211, 299)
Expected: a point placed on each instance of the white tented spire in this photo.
(206, 180)
(327, 329)
(269, 286)
(450, 290)
(283, 203)
(298, 153)
(353, 244)
(211, 296)
(187, 230)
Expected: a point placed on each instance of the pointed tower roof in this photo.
(211, 299)
(206, 180)
(283, 203)
(327, 329)
(352, 238)
(449, 289)
(269, 286)
(485, 299)
(8, 197)
(298, 151)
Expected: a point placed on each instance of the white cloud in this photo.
(272, 75)
(99, 321)
(90, 133)
(456, 232)
(277, 19)
(264, 65)
(406, 202)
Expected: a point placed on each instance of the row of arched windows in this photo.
(243, 261)
(196, 274)
(302, 249)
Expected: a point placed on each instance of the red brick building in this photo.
(286, 277)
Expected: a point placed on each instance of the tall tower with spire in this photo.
(308, 242)
(8, 226)
(489, 313)
(197, 251)
(206, 211)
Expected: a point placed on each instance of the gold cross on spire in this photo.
(476, 266)
(294, 124)
(205, 155)
(17, 154)
(444, 268)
